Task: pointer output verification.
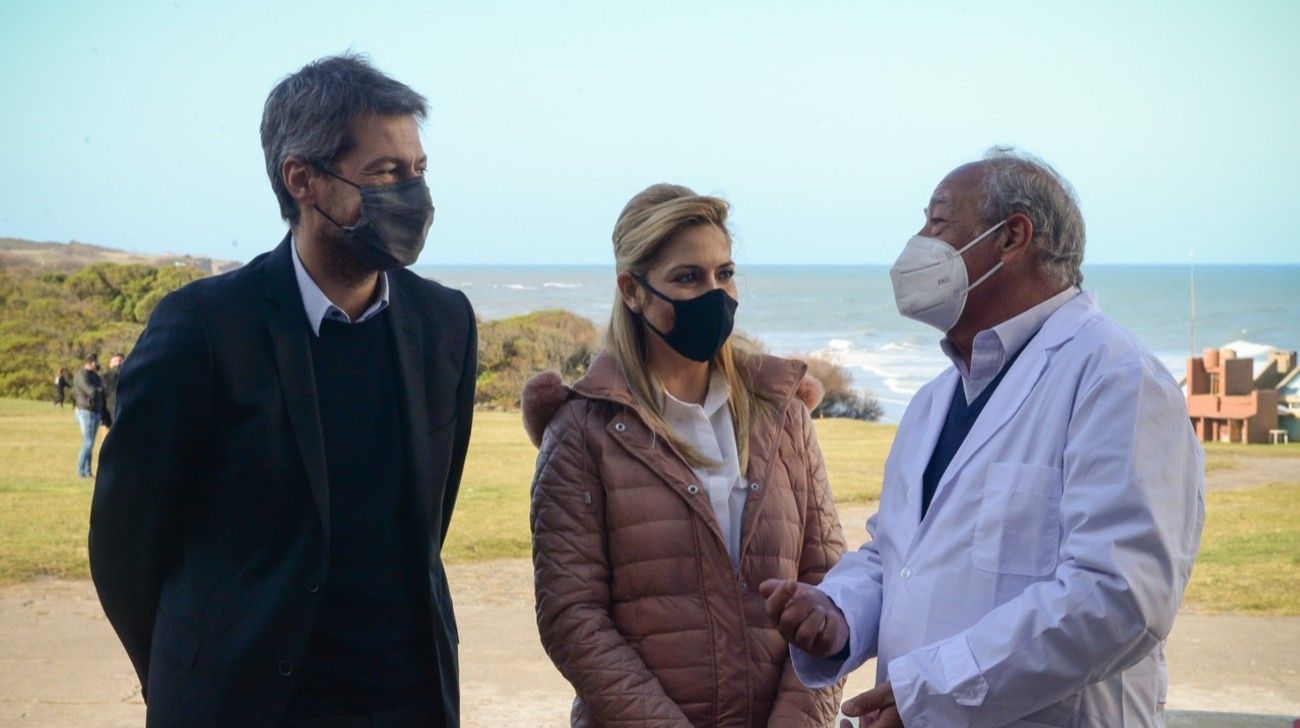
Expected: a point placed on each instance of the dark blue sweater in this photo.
(961, 418)
(371, 646)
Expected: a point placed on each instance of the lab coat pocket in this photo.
(1018, 527)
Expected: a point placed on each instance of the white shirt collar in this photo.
(992, 347)
(318, 306)
(719, 394)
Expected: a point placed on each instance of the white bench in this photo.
(1278, 436)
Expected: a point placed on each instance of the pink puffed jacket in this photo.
(638, 603)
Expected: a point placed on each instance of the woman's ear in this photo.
(630, 290)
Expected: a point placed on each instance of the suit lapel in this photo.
(289, 332)
(411, 352)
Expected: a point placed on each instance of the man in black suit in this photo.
(273, 497)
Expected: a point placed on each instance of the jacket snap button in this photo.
(285, 668)
(692, 489)
(906, 573)
(313, 587)
(619, 427)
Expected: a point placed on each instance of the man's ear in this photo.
(299, 177)
(630, 290)
(1019, 232)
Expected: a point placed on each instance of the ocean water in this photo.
(847, 313)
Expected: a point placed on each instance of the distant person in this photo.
(110, 387)
(273, 498)
(679, 473)
(88, 402)
(1043, 500)
(62, 380)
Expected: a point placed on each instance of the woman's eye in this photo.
(685, 278)
(726, 275)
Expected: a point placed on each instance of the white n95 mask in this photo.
(929, 280)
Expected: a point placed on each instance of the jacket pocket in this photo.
(176, 639)
(1018, 526)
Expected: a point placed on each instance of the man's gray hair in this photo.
(1015, 181)
(308, 112)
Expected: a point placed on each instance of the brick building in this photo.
(1228, 403)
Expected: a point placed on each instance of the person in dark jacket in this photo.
(88, 403)
(110, 388)
(273, 498)
(62, 380)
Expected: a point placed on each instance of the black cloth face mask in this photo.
(701, 325)
(394, 223)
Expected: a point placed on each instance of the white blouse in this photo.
(709, 429)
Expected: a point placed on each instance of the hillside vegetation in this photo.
(54, 319)
(62, 302)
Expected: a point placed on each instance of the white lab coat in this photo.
(1042, 583)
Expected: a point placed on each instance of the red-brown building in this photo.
(1223, 401)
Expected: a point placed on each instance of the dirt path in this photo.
(1249, 471)
(61, 665)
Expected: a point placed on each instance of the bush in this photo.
(53, 320)
(513, 349)
(841, 399)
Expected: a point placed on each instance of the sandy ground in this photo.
(61, 664)
(1254, 471)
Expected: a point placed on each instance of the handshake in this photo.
(810, 621)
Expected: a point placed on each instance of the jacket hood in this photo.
(544, 393)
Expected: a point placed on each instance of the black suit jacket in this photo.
(209, 530)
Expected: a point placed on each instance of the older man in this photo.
(1043, 500)
(274, 494)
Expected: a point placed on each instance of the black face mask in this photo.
(394, 222)
(701, 325)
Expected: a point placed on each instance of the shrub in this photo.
(841, 399)
(53, 320)
(513, 349)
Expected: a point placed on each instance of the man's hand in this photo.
(875, 708)
(805, 617)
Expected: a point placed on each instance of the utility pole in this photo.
(1191, 255)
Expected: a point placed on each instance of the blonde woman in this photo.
(676, 476)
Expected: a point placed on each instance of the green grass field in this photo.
(1250, 555)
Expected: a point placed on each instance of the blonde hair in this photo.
(651, 219)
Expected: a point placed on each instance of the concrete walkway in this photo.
(61, 664)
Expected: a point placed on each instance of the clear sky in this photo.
(134, 124)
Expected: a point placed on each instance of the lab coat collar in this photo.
(1002, 406)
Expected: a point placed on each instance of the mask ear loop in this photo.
(992, 270)
(646, 285)
(344, 228)
(981, 236)
(641, 314)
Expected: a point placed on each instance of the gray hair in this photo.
(308, 112)
(1015, 181)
